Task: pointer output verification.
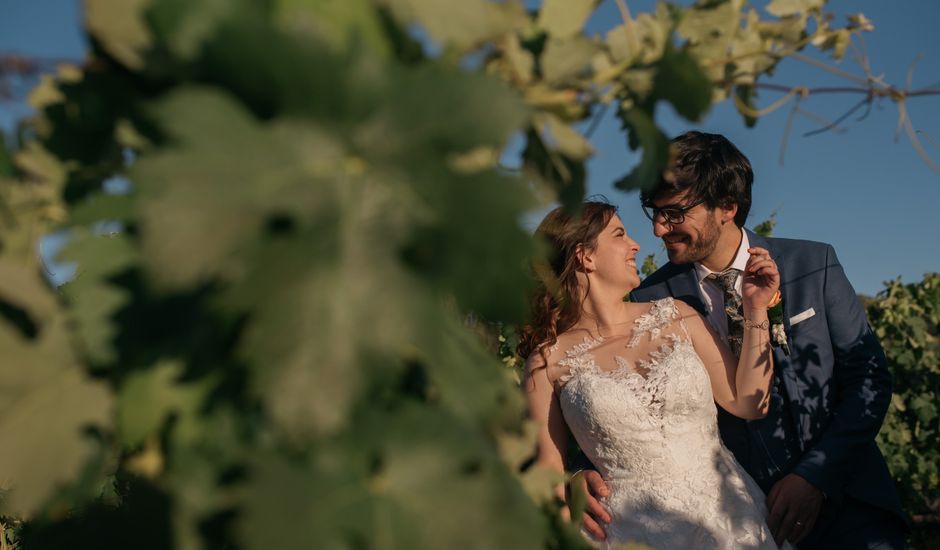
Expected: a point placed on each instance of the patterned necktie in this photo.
(733, 307)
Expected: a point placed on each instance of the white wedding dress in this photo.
(640, 406)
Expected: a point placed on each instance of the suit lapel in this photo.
(684, 286)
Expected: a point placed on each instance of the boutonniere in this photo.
(775, 315)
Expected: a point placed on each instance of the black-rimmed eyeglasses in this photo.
(674, 214)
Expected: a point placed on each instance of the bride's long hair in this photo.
(556, 301)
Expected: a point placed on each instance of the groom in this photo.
(814, 455)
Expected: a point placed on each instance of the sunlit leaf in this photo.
(782, 8)
(566, 59)
(341, 22)
(710, 22)
(565, 18)
(461, 24)
(46, 400)
(121, 28)
(563, 137)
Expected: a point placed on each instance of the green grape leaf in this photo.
(197, 201)
(149, 397)
(924, 407)
(7, 169)
(789, 29)
(340, 22)
(837, 41)
(644, 134)
(565, 176)
(565, 18)
(394, 472)
(46, 401)
(460, 24)
(567, 59)
(644, 41)
(94, 296)
(121, 29)
(681, 81)
(563, 137)
(521, 62)
(712, 22)
(37, 163)
(45, 93)
(649, 265)
(102, 207)
(766, 228)
(783, 8)
(184, 28)
(747, 95)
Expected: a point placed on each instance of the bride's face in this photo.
(613, 261)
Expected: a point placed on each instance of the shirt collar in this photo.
(739, 263)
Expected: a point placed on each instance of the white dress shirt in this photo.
(712, 294)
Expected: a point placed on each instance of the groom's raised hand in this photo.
(595, 515)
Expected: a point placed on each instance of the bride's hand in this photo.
(761, 280)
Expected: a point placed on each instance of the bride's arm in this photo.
(545, 411)
(740, 386)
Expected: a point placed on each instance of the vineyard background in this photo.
(267, 341)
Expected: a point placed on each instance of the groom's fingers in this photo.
(787, 526)
(775, 522)
(808, 524)
(810, 513)
(596, 510)
(800, 529)
(597, 487)
(594, 513)
(592, 527)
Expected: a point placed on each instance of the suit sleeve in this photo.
(861, 386)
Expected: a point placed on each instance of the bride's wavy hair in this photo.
(554, 306)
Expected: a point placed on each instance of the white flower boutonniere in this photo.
(778, 336)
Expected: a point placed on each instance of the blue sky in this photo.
(870, 196)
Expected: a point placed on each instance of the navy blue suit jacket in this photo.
(834, 387)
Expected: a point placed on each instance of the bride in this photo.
(636, 385)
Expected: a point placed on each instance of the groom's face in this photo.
(695, 237)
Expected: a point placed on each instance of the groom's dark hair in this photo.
(711, 169)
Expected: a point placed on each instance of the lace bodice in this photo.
(641, 408)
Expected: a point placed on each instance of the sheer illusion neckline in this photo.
(641, 371)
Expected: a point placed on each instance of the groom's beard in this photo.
(697, 249)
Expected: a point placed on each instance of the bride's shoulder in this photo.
(553, 354)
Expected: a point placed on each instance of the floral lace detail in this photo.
(661, 314)
(649, 387)
(578, 357)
